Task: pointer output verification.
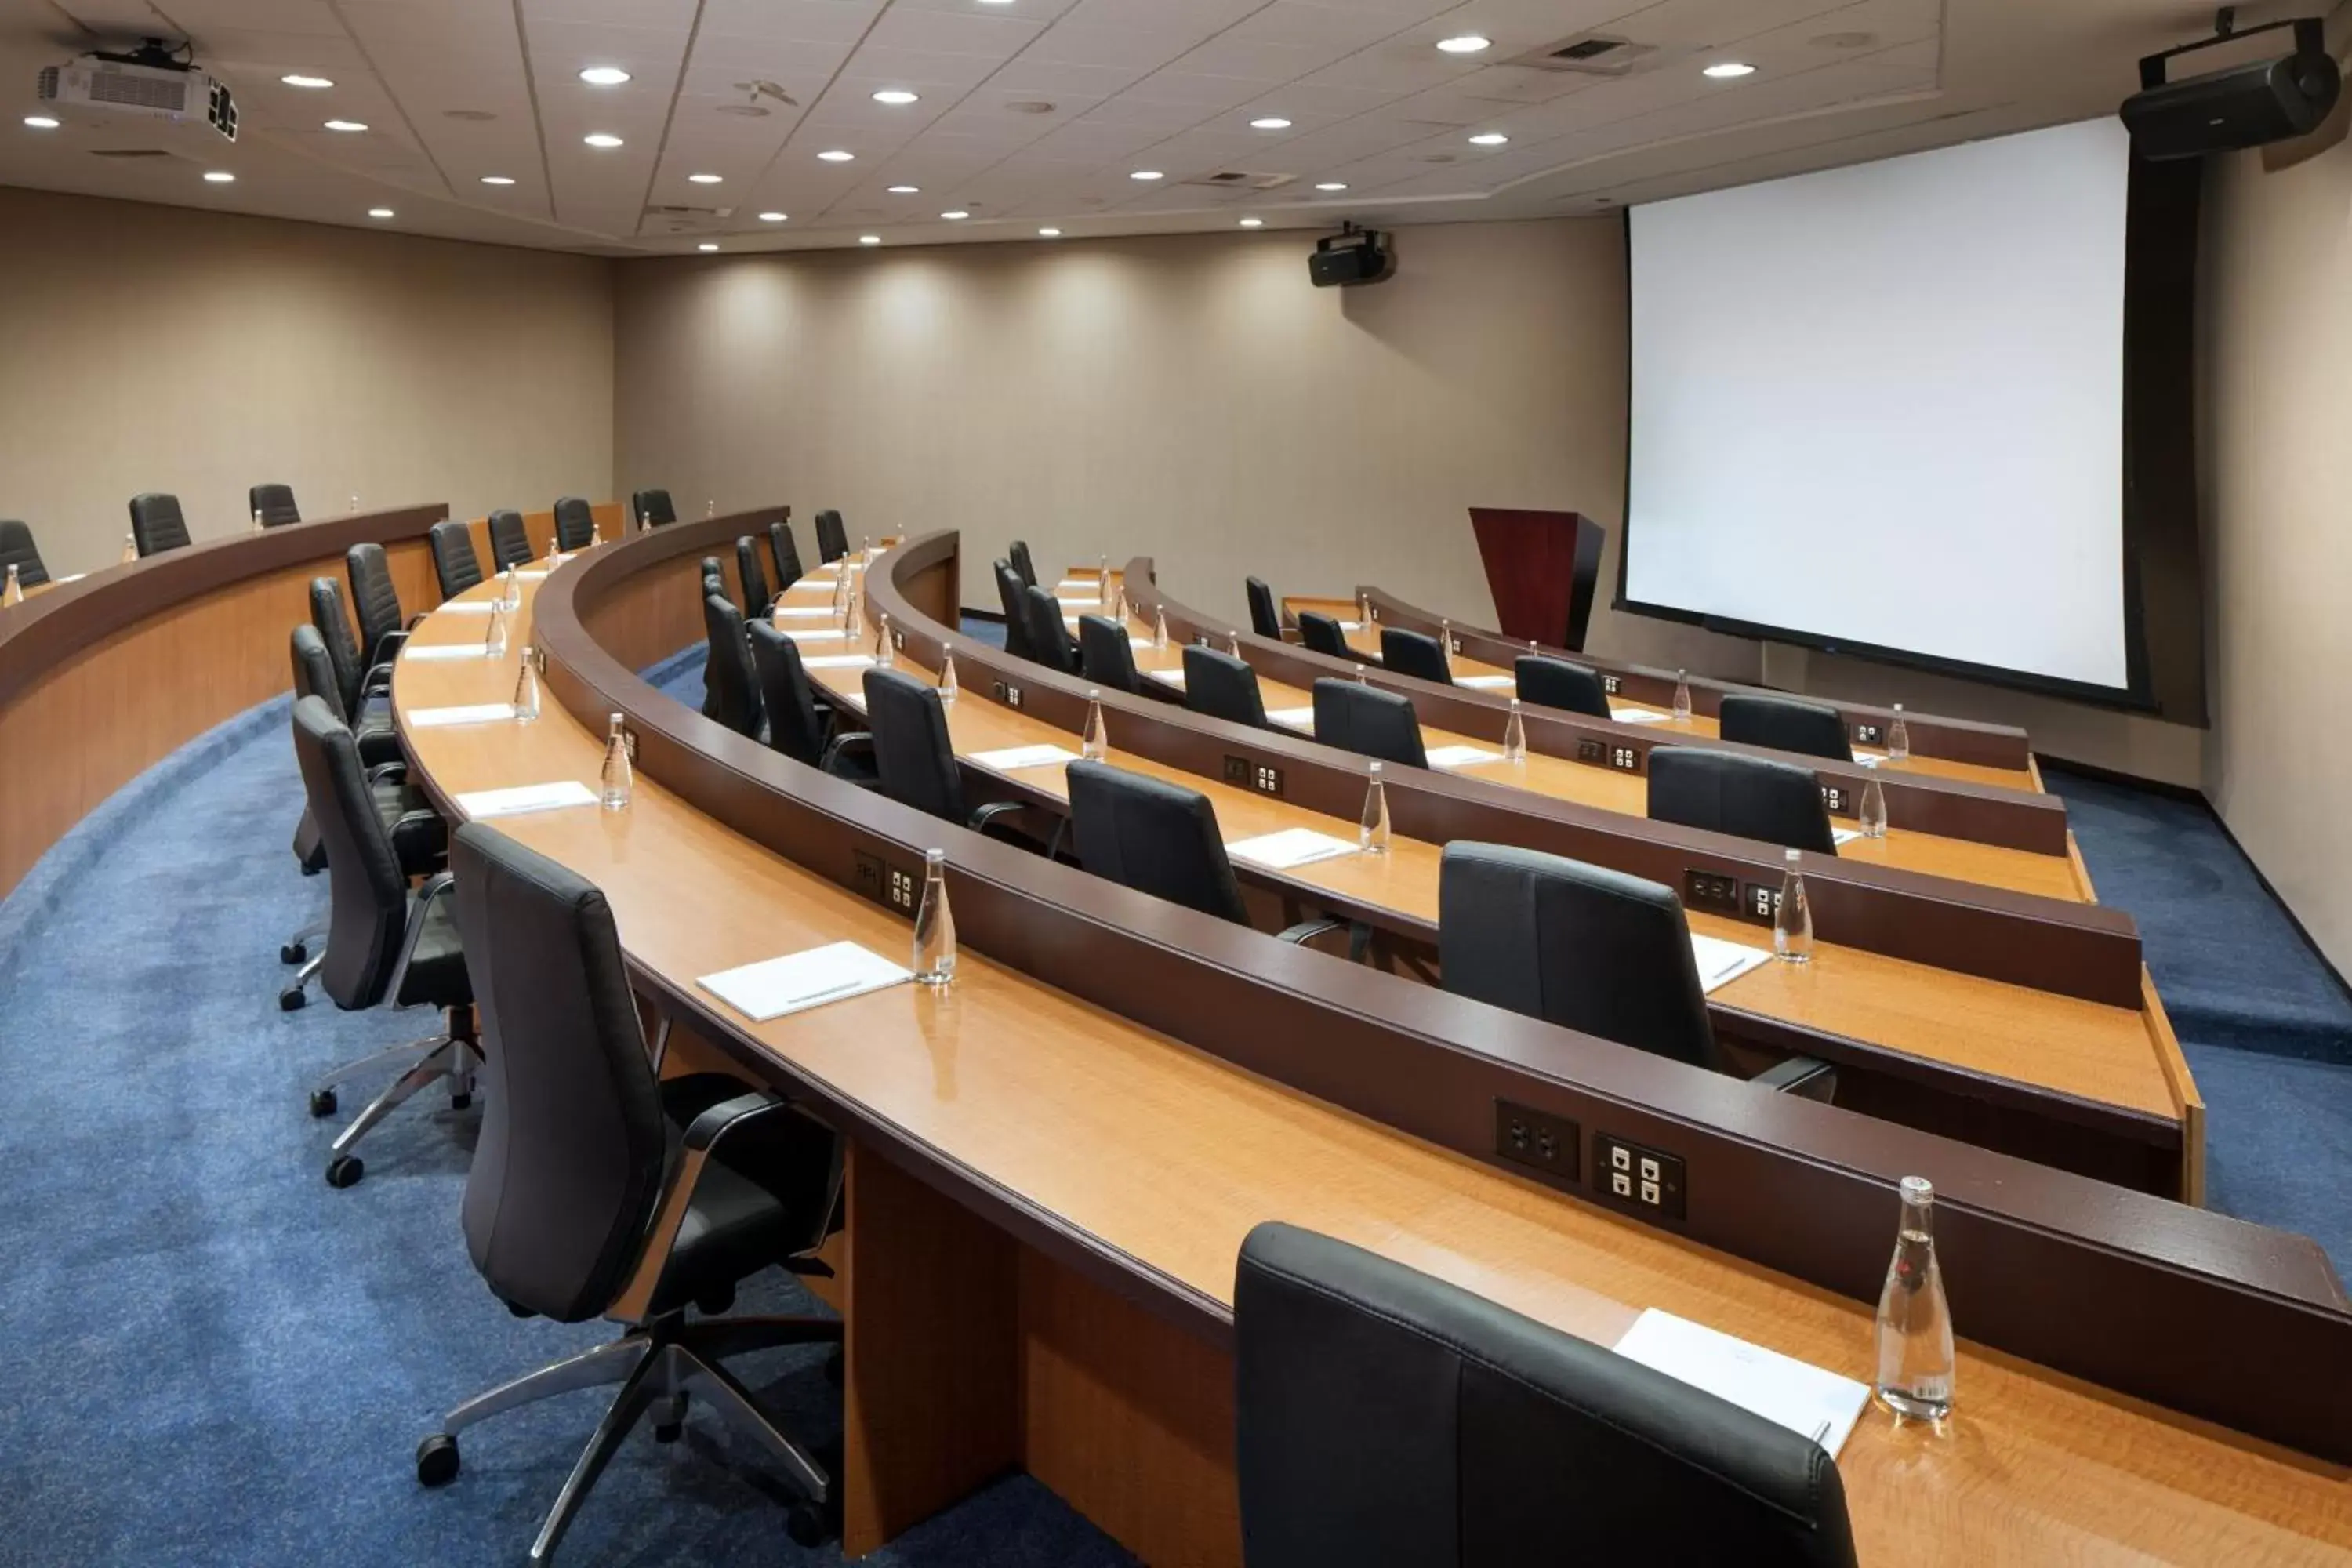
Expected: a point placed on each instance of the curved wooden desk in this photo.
(1048, 1196)
(105, 676)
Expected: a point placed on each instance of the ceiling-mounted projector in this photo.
(1350, 258)
(2244, 106)
(156, 80)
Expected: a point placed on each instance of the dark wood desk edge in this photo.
(2049, 1240)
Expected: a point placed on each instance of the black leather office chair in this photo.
(1050, 643)
(787, 552)
(653, 509)
(455, 566)
(913, 758)
(509, 541)
(1321, 634)
(1387, 1419)
(1010, 591)
(1265, 619)
(757, 600)
(1751, 797)
(1019, 556)
(1222, 686)
(1546, 682)
(1105, 658)
(599, 1191)
(18, 549)
(832, 536)
(1784, 724)
(382, 944)
(274, 504)
(1589, 949)
(797, 726)
(1367, 722)
(734, 689)
(157, 524)
(576, 524)
(1416, 653)
(357, 682)
(383, 627)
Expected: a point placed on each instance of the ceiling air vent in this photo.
(130, 153)
(679, 218)
(1592, 54)
(1240, 180)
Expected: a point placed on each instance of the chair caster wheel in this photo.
(343, 1171)
(805, 1524)
(437, 1460)
(670, 1433)
(291, 999)
(460, 1101)
(294, 953)
(323, 1103)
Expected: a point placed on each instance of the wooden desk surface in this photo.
(1168, 1156)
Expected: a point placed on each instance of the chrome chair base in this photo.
(448, 1054)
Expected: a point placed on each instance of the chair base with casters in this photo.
(455, 1054)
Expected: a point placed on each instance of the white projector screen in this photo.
(1883, 406)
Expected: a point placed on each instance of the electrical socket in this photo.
(1008, 695)
(1837, 800)
(892, 887)
(1870, 735)
(1592, 751)
(1648, 1181)
(1711, 890)
(1237, 771)
(1536, 1139)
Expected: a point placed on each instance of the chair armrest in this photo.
(857, 746)
(987, 818)
(1802, 1077)
(414, 621)
(382, 771)
(440, 885)
(1307, 931)
(420, 841)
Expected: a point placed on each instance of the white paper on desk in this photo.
(1485, 682)
(800, 981)
(1291, 847)
(445, 650)
(1292, 717)
(1720, 963)
(1077, 585)
(838, 661)
(1174, 678)
(830, 634)
(801, 612)
(466, 607)
(1845, 835)
(1869, 759)
(70, 577)
(529, 574)
(482, 803)
(1639, 716)
(1784, 1391)
(1349, 626)
(1013, 757)
(479, 713)
(1462, 756)
(1078, 601)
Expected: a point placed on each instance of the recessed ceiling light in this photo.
(497, 179)
(869, 239)
(1270, 123)
(706, 245)
(380, 212)
(604, 139)
(40, 122)
(706, 179)
(347, 125)
(1146, 174)
(603, 75)
(773, 217)
(1253, 223)
(897, 96)
(1488, 139)
(297, 78)
(1332, 185)
(220, 177)
(835, 155)
(1728, 70)
(906, 190)
(1049, 234)
(996, 2)
(1468, 44)
(957, 216)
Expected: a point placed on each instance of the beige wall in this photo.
(155, 348)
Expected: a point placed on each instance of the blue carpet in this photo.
(218, 1359)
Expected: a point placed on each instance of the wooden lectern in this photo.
(1541, 567)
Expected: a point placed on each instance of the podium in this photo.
(1541, 567)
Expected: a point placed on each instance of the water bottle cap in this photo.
(1094, 693)
(1515, 704)
(935, 857)
(1898, 708)
(1376, 770)
(1793, 856)
(1918, 1190)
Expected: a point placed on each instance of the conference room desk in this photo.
(103, 677)
(1046, 1200)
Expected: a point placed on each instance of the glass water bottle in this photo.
(620, 776)
(1793, 920)
(1915, 1321)
(526, 697)
(1682, 697)
(935, 936)
(15, 591)
(1373, 834)
(1445, 641)
(1898, 738)
(883, 648)
(1873, 811)
(258, 524)
(1096, 745)
(494, 640)
(129, 548)
(1158, 628)
(1515, 736)
(1359, 676)
(1102, 580)
(510, 595)
(853, 619)
(1234, 644)
(946, 677)
(1363, 608)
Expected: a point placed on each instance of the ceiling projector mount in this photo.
(2241, 106)
(158, 80)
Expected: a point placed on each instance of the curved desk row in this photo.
(1054, 1163)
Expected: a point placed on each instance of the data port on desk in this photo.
(1649, 1182)
(1007, 694)
(1611, 685)
(1836, 799)
(893, 887)
(1870, 735)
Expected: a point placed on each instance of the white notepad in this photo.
(1845, 835)
(1089, 602)
(838, 661)
(466, 607)
(1789, 1392)
(1720, 963)
(821, 634)
(1174, 678)
(1869, 759)
(1485, 682)
(1291, 847)
(479, 713)
(1295, 718)
(1013, 757)
(445, 650)
(482, 803)
(1077, 585)
(803, 613)
(1640, 716)
(800, 981)
(1462, 756)
(529, 577)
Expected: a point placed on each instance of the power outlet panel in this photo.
(1536, 1139)
(1711, 890)
(1650, 1181)
(1591, 751)
(1838, 799)
(1237, 771)
(1008, 694)
(1759, 901)
(1611, 685)
(892, 887)
(1870, 735)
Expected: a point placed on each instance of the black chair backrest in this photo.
(1011, 592)
(1580, 946)
(1556, 683)
(377, 600)
(367, 903)
(793, 726)
(1321, 634)
(832, 536)
(509, 541)
(1050, 643)
(576, 524)
(157, 524)
(1387, 1418)
(1222, 686)
(18, 549)
(1019, 556)
(757, 601)
(1153, 837)
(1416, 653)
(1105, 658)
(912, 755)
(1265, 619)
(455, 565)
(314, 671)
(574, 1147)
(734, 686)
(653, 509)
(1785, 724)
(787, 552)
(274, 504)
(1367, 722)
(1750, 797)
(333, 625)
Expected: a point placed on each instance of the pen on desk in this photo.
(828, 991)
(1821, 1432)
